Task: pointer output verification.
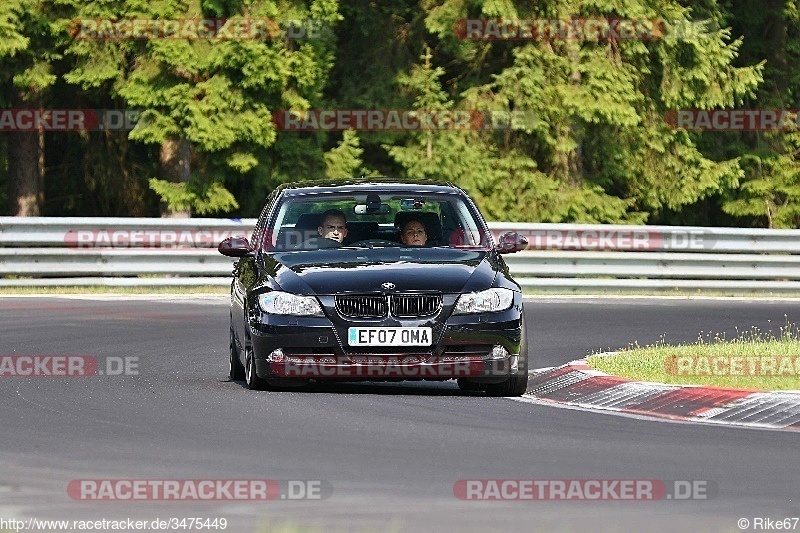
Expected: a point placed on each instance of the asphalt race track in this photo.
(389, 455)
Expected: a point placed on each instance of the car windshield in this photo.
(308, 222)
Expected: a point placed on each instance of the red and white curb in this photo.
(576, 384)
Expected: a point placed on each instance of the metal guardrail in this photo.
(41, 251)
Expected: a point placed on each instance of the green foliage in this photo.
(218, 94)
(27, 48)
(498, 167)
(195, 197)
(345, 159)
(601, 105)
(11, 40)
(770, 191)
(596, 150)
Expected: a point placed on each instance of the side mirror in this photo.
(235, 247)
(511, 242)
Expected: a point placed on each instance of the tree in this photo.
(206, 102)
(26, 53)
(345, 159)
(599, 137)
(769, 190)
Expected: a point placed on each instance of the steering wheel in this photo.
(374, 242)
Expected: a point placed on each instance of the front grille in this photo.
(370, 306)
(411, 305)
(375, 306)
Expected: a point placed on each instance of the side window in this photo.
(261, 239)
(464, 226)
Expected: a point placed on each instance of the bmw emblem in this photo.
(388, 286)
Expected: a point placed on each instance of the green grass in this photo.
(752, 360)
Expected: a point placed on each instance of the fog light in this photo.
(498, 352)
(276, 356)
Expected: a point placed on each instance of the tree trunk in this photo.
(25, 151)
(175, 159)
(775, 29)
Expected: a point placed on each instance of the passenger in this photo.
(413, 233)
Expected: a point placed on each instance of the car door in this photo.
(245, 270)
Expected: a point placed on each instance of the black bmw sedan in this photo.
(375, 280)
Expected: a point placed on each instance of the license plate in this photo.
(389, 336)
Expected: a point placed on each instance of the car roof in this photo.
(368, 184)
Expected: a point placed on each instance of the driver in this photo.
(333, 225)
(331, 232)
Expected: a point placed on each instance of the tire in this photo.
(236, 371)
(251, 378)
(517, 384)
(467, 385)
(269, 384)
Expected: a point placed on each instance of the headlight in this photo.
(484, 302)
(284, 303)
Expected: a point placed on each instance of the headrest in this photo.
(308, 221)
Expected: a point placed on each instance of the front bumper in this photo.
(481, 347)
(389, 368)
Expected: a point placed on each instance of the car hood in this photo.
(358, 270)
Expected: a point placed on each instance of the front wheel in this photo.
(236, 371)
(467, 385)
(517, 384)
(251, 378)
